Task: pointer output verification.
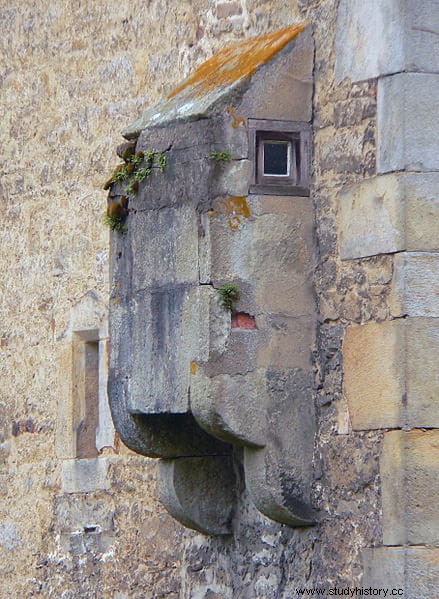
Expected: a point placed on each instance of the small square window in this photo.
(279, 150)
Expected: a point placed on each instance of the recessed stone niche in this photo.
(192, 382)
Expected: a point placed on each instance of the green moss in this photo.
(116, 223)
(149, 157)
(136, 159)
(228, 294)
(132, 171)
(224, 156)
(128, 152)
(141, 174)
(120, 174)
(132, 186)
(161, 162)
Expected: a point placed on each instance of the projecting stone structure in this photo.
(181, 365)
(80, 515)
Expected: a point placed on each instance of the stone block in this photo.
(271, 254)
(390, 373)
(375, 38)
(165, 247)
(408, 127)
(389, 213)
(199, 492)
(232, 178)
(373, 365)
(409, 467)
(415, 284)
(371, 218)
(85, 476)
(412, 570)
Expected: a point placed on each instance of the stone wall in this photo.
(72, 76)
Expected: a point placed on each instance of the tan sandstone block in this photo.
(388, 214)
(373, 374)
(414, 570)
(390, 374)
(409, 467)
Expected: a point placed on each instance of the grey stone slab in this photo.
(164, 343)
(188, 171)
(271, 254)
(415, 284)
(231, 408)
(164, 247)
(376, 38)
(408, 127)
(85, 476)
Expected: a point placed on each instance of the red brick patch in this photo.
(242, 320)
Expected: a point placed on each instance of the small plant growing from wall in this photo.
(224, 156)
(117, 211)
(136, 168)
(228, 294)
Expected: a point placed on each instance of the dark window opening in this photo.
(276, 158)
(89, 373)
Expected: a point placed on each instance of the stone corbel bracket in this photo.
(188, 380)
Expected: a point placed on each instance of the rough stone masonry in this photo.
(73, 77)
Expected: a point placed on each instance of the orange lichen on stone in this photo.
(193, 368)
(237, 120)
(235, 63)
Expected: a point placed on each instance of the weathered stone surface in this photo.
(271, 255)
(409, 468)
(390, 373)
(413, 571)
(231, 408)
(375, 39)
(8, 535)
(199, 492)
(279, 476)
(232, 178)
(289, 78)
(84, 476)
(389, 213)
(407, 125)
(373, 366)
(415, 284)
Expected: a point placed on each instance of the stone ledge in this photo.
(85, 476)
